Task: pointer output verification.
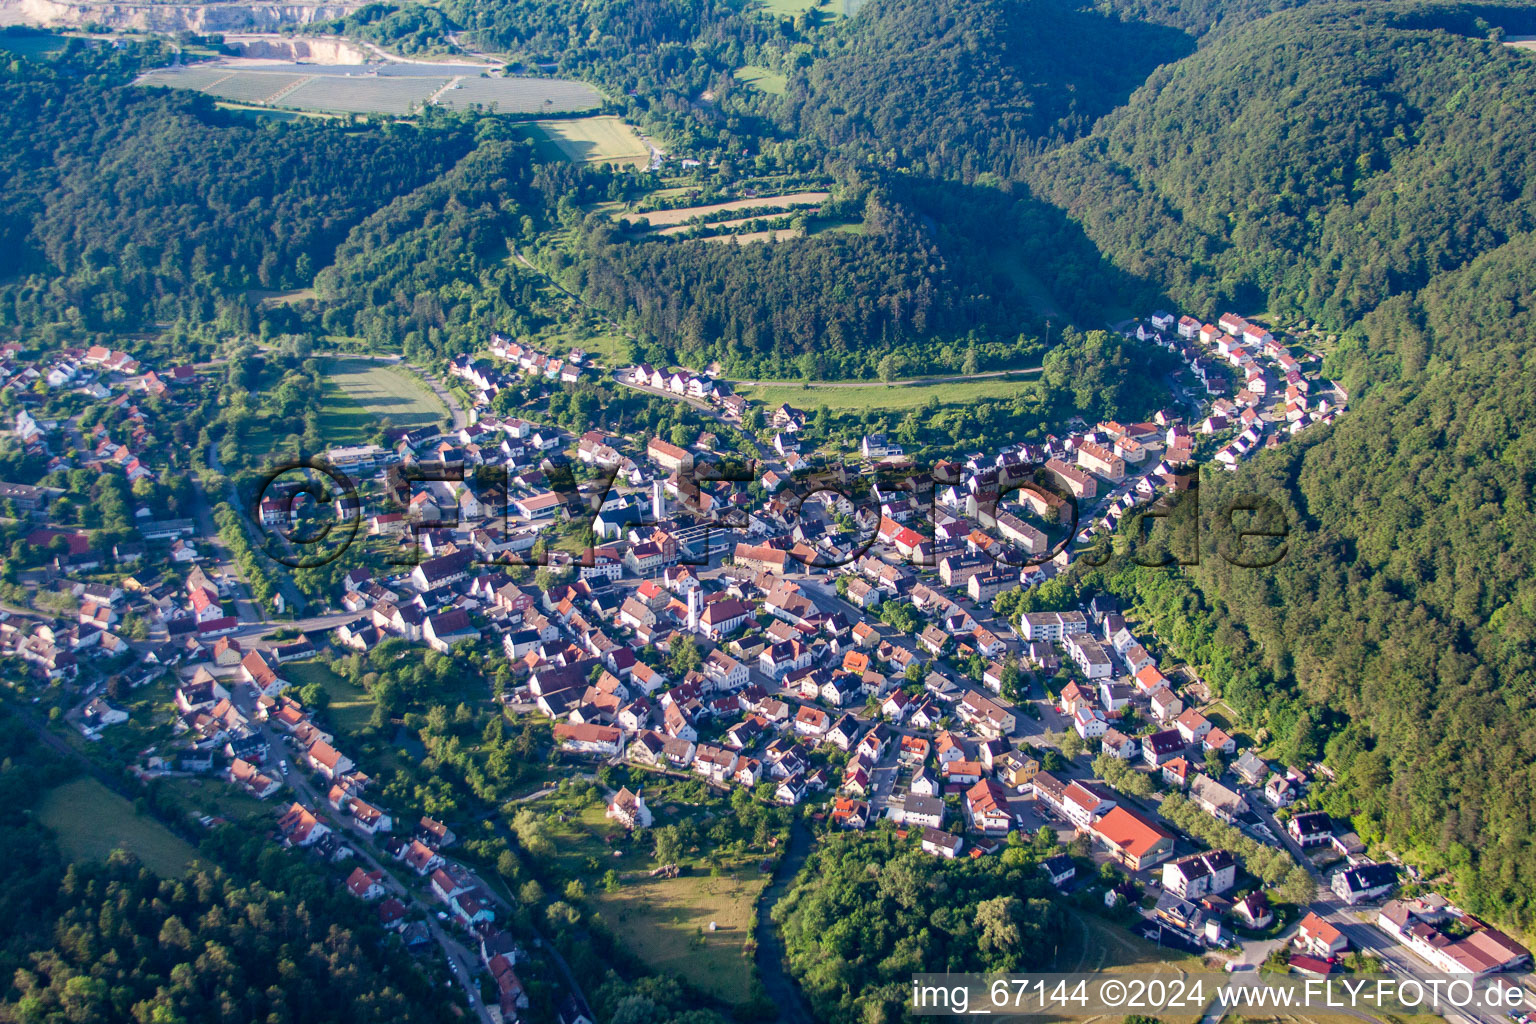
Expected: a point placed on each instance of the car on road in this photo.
(284, 766)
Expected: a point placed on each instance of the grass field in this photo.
(91, 821)
(350, 708)
(1094, 945)
(32, 45)
(769, 81)
(258, 113)
(790, 8)
(361, 392)
(590, 140)
(661, 920)
(896, 397)
(199, 796)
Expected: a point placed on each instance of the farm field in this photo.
(333, 90)
(91, 821)
(252, 87)
(522, 95)
(350, 707)
(395, 95)
(770, 82)
(361, 392)
(662, 919)
(775, 235)
(680, 229)
(895, 397)
(668, 218)
(590, 140)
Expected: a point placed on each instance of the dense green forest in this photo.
(1314, 164)
(125, 204)
(957, 88)
(1406, 603)
(869, 911)
(251, 934)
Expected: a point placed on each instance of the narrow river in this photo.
(770, 947)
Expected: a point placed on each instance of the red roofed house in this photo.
(366, 885)
(986, 807)
(1320, 938)
(1134, 839)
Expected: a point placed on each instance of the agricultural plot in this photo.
(522, 95)
(367, 95)
(252, 86)
(398, 91)
(590, 140)
(360, 393)
(722, 225)
(196, 77)
(747, 237)
(91, 821)
(668, 218)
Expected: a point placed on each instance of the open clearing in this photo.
(1093, 945)
(894, 397)
(769, 81)
(590, 140)
(350, 707)
(668, 218)
(396, 89)
(91, 821)
(790, 8)
(361, 392)
(661, 920)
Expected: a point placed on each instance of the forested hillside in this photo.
(1315, 163)
(113, 942)
(869, 911)
(429, 270)
(124, 204)
(954, 88)
(1398, 635)
(827, 306)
